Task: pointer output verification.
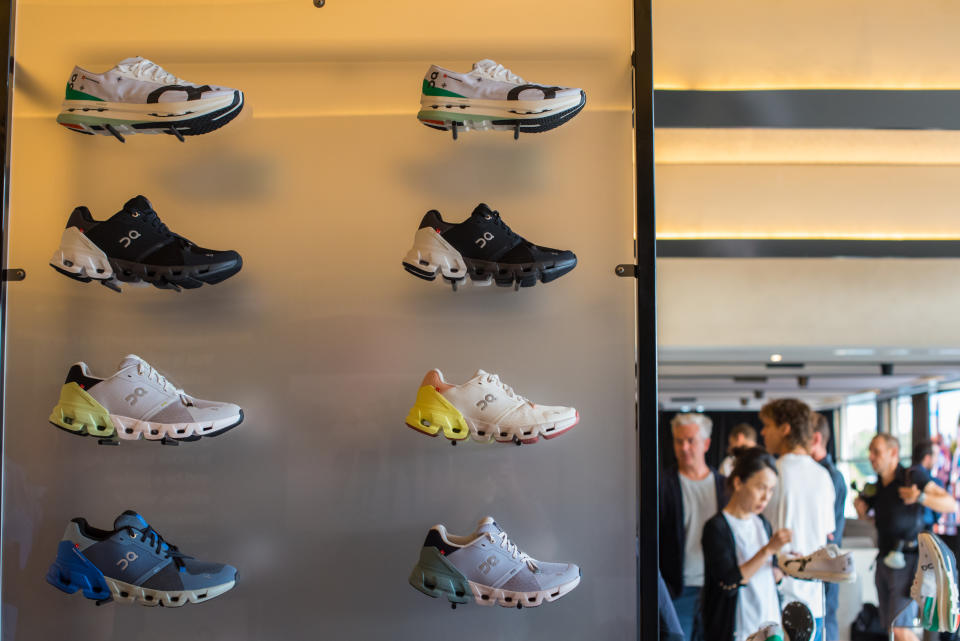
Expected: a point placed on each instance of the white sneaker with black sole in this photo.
(140, 97)
(490, 96)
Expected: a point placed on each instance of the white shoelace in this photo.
(496, 71)
(514, 551)
(146, 70)
(147, 370)
(495, 379)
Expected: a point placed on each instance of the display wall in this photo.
(322, 497)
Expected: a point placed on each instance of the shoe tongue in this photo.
(130, 359)
(131, 61)
(482, 210)
(138, 203)
(480, 374)
(488, 525)
(130, 519)
(484, 65)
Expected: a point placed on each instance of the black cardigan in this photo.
(672, 535)
(721, 582)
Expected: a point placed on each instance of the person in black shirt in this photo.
(818, 450)
(897, 500)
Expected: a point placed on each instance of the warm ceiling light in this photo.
(776, 358)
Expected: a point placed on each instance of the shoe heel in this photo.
(78, 258)
(432, 412)
(432, 255)
(434, 576)
(78, 412)
(71, 571)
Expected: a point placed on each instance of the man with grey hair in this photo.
(690, 493)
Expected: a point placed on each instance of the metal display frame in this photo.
(644, 273)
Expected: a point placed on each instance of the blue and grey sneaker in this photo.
(488, 568)
(133, 563)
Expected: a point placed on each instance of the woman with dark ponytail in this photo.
(739, 589)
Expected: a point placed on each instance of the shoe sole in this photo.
(798, 623)
(829, 577)
(80, 259)
(431, 255)
(453, 114)
(436, 577)
(71, 571)
(79, 413)
(191, 118)
(433, 414)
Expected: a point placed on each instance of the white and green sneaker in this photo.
(140, 97)
(935, 585)
(492, 97)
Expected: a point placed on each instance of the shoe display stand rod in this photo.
(648, 621)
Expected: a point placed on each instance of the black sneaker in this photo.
(133, 245)
(484, 248)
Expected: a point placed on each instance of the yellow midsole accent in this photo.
(84, 413)
(432, 411)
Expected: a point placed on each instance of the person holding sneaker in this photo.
(739, 590)
(896, 502)
(804, 498)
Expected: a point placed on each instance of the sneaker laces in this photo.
(495, 379)
(144, 69)
(160, 546)
(513, 550)
(495, 71)
(495, 216)
(146, 370)
(153, 219)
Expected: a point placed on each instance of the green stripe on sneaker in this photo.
(436, 91)
(73, 94)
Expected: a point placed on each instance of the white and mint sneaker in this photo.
(935, 585)
(488, 568)
(140, 97)
(137, 402)
(768, 632)
(492, 97)
(828, 563)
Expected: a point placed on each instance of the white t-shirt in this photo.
(757, 602)
(699, 505)
(803, 503)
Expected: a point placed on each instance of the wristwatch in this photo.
(921, 497)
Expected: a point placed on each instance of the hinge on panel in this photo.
(14, 274)
(627, 270)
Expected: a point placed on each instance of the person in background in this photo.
(743, 436)
(818, 450)
(740, 590)
(670, 629)
(946, 470)
(804, 499)
(924, 455)
(690, 493)
(896, 502)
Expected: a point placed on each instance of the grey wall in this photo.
(322, 497)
